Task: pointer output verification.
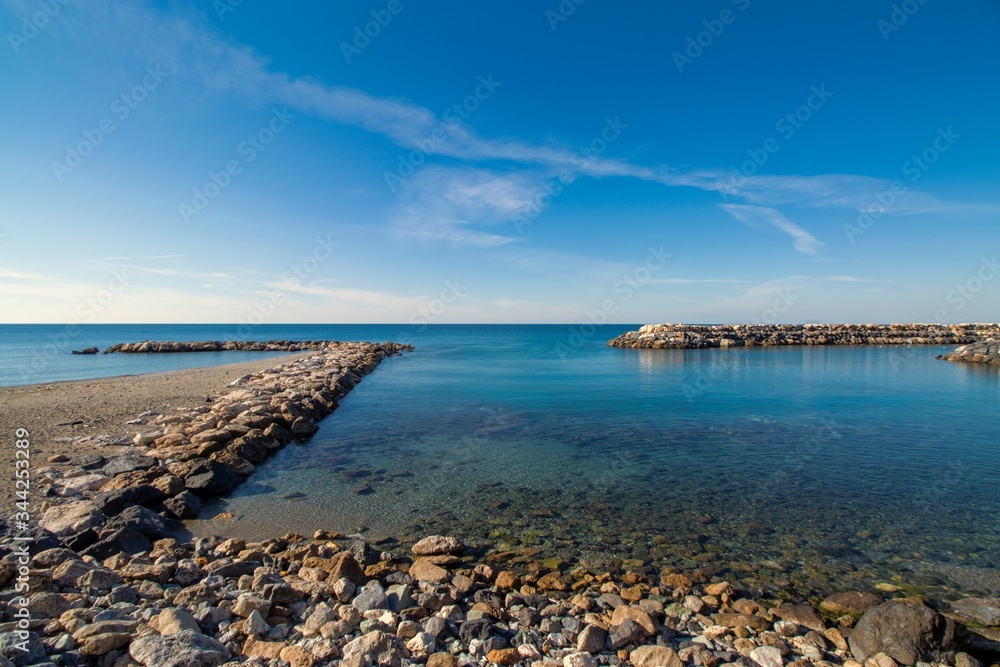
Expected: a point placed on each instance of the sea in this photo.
(791, 472)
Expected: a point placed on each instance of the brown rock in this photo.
(675, 580)
(504, 656)
(255, 648)
(105, 643)
(655, 656)
(632, 594)
(507, 580)
(552, 581)
(800, 614)
(344, 565)
(742, 621)
(852, 603)
(640, 617)
(297, 656)
(442, 660)
(436, 545)
(423, 570)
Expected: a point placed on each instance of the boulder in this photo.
(128, 463)
(436, 545)
(122, 541)
(113, 502)
(906, 630)
(184, 649)
(211, 478)
(800, 614)
(984, 611)
(655, 656)
(173, 621)
(185, 505)
(374, 648)
(62, 520)
(345, 566)
(141, 520)
(850, 603)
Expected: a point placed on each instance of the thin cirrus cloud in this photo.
(183, 44)
(760, 217)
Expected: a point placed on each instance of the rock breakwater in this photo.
(154, 347)
(682, 336)
(983, 352)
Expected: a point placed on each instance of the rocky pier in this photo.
(983, 352)
(685, 336)
(161, 347)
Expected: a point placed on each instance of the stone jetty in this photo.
(153, 346)
(983, 352)
(684, 336)
(105, 580)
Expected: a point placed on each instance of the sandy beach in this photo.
(57, 412)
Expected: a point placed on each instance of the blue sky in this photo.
(537, 161)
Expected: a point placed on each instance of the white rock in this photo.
(767, 656)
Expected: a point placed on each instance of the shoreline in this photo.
(58, 414)
(111, 579)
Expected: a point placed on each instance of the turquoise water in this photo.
(792, 471)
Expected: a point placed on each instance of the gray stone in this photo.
(128, 463)
(184, 505)
(374, 648)
(184, 649)
(173, 621)
(372, 596)
(141, 520)
(592, 639)
(69, 518)
(21, 650)
(984, 611)
(906, 630)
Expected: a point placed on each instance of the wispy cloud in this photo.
(855, 279)
(183, 43)
(693, 281)
(446, 204)
(762, 216)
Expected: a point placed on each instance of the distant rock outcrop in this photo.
(983, 352)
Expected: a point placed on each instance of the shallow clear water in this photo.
(793, 471)
(796, 470)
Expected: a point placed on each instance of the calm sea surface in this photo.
(787, 470)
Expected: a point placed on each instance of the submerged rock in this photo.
(907, 630)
